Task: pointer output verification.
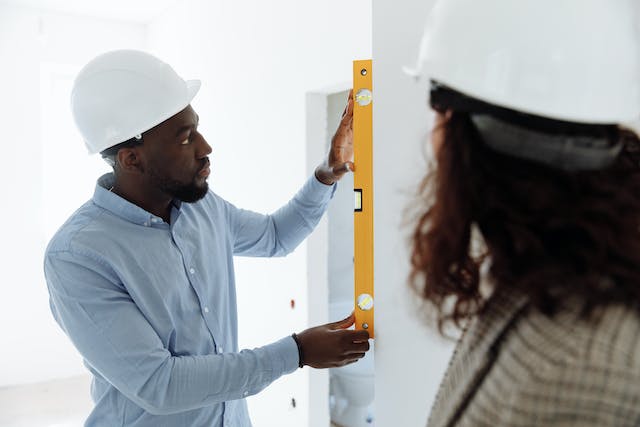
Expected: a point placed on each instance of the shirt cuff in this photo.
(315, 192)
(284, 355)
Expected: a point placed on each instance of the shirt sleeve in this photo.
(115, 339)
(280, 233)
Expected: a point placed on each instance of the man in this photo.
(141, 277)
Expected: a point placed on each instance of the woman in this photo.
(531, 154)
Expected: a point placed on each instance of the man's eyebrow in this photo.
(183, 129)
(188, 127)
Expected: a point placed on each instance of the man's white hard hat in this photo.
(123, 93)
(571, 60)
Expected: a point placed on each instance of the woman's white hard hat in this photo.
(571, 60)
(123, 93)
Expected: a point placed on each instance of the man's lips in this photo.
(205, 171)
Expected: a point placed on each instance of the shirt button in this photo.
(206, 309)
(192, 270)
(220, 349)
(245, 394)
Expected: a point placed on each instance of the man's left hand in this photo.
(340, 159)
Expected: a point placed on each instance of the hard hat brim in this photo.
(192, 88)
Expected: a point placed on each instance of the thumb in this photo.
(344, 323)
(339, 170)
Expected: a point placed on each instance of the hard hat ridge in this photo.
(123, 93)
(571, 60)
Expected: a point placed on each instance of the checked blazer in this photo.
(517, 367)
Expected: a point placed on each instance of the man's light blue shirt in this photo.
(151, 306)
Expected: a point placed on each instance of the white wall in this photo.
(330, 247)
(36, 49)
(257, 60)
(410, 359)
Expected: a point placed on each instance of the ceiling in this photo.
(123, 10)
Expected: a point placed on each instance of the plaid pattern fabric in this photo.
(516, 367)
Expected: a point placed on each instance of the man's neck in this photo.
(149, 199)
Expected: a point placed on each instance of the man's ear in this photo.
(130, 160)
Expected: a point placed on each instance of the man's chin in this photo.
(192, 193)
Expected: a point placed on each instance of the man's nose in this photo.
(204, 148)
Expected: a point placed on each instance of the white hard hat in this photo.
(571, 60)
(123, 93)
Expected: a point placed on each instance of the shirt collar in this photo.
(106, 199)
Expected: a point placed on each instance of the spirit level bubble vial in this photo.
(363, 191)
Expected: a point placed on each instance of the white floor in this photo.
(59, 403)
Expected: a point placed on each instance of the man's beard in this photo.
(187, 193)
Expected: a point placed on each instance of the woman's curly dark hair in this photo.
(548, 233)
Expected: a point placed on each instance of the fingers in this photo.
(352, 341)
(333, 344)
(358, 347)
(356, 339)
(348, 109)
(360, 335)
(340, 170)
(346, 123)
(331, 174)
(357, 356)
(347, 114)
(350, 360)
(344, 323)
(349, 101)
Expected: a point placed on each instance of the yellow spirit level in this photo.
(363, 191)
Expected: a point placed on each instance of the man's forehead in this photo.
(186, 117)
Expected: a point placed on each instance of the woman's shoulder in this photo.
(610, 336)
(566, 366)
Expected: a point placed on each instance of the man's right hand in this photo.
(333, 345)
